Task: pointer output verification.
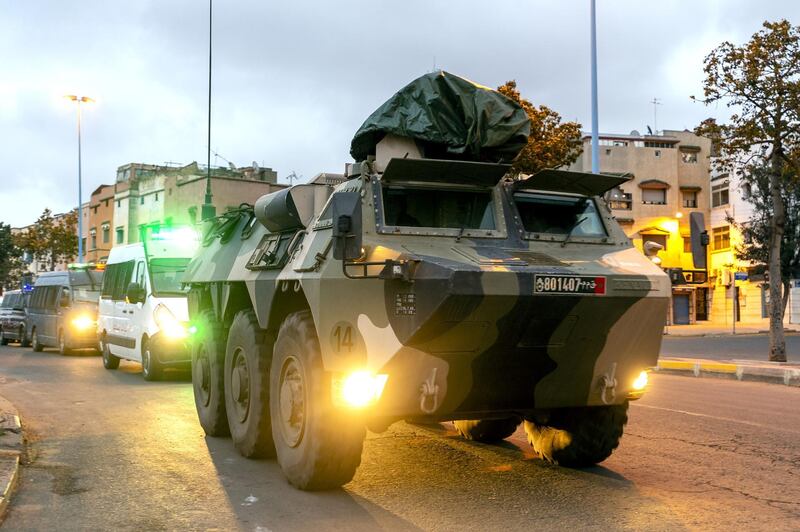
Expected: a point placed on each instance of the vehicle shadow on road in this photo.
(260, 496)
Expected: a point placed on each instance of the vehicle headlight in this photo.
(83, 322)
(359, 388)
(168, 323)
(641, 382)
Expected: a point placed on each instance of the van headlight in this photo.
(168, 323)
(82, 322)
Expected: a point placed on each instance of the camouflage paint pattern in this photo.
(468, 327)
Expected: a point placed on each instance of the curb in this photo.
(775, 372)
(11, 448)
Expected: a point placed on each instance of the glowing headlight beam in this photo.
(641, 381)
(83, 322)
(362, 388)
(168, 323)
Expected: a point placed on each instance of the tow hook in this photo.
(608, 386)
(429, 394)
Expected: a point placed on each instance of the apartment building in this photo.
(669, 178)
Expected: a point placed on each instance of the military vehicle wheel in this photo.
(208, 357)
(318, 446)
(35, 345)
(23, 338)
(247, 364)
(3, 339)
(109, 360)
(63, 349)
(578, 437)
(487, 430)
(151, 369)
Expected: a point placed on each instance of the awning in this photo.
(687, 147)
(652, 230)
(654, 184)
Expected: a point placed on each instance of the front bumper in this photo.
(170, 351)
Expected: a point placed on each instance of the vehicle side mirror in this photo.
(698, 237)
(135, 293)
(347, 228)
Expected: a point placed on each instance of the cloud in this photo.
(294, 80)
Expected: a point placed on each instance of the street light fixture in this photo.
(79, 100)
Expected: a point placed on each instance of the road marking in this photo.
(719, 418)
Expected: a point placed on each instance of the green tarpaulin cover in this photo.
(453, 118)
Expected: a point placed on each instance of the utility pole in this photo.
(595, 130)
(79, 100)
(655, 103)
(208, 210)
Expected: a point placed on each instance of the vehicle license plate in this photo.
(569, 284)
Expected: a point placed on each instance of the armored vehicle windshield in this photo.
(438, 208)
(559, 214)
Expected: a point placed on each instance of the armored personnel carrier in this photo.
(428, 285)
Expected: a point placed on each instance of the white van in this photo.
(143, 314)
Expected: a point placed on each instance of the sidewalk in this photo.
(11, 447)
(786, 373)
(713, 329)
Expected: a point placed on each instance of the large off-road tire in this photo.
(109, 360)
(151, 369)
(3, 339)
(63, 346)
(247, 364)
(23, 338)
(208, 363)
(35, 344)
(318, 445)
(578, 437)
(487, 430)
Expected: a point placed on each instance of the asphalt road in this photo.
(110, 451)
(743, 346)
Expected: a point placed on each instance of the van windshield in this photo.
(438, 208)
(166, 276)
(86, 285)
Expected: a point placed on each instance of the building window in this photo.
(105, 203)
(608, 151)
(747, 191)
(120, 235)
(83, 243)
(170, 191)
(612, 142)
(156, 196)
(93, 236)
(649, 144)
(119, 203)
(658, 239)
(617, 199)
(689, 157)
(689, 198)
(719, 194)
(687, 244)
(721, 238)
(106, 234)
(141, 200)
(654, 196)
(658, 153)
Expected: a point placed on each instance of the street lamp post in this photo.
(79, 100)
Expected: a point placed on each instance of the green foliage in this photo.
(757, 231)
(760, 82)
(51, 239)
(9, 253)
(552, 143)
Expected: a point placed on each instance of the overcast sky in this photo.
(293, 80)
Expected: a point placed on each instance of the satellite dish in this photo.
(649, 131)
(635, 133)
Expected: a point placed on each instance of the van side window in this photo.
(108, 281)
(139, 277)
(51, 297)
(122, 279)
(37, 300)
